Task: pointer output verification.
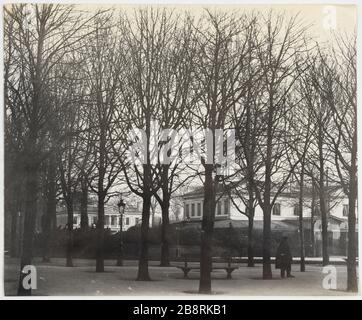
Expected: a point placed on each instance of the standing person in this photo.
(283, 259)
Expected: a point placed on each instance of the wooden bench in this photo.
(228, 268)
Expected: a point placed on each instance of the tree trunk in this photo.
(46, 233)
(324, 219)
(101, 195)
(250, 239)
(207, 232)
(165, 250)
(69, 254)
(352, 283)
(251, 211)
(143, 274)
(312, 215)
(31, 189)
(267, 271)
(324, 229)
(13, 202)
(51, 207)
(250, 156)
(100, 235)
(53, 197)
(14, 232)
(165, 206)
(301, 228)
(322, 199)
(84, 221)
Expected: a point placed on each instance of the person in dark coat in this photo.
(283, 258)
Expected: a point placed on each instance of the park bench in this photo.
(229, 268)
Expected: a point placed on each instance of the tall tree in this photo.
(221, 59)
(41, 36)
(69, 159)
(14, 171)
(280, 56)
(146, 36)
(176, 99)
(341, 97)
(102, 66)
(313, 79)
(248, 128)
(84, 220)
(49, 216)
(302, 129)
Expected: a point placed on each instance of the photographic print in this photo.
(180, 150)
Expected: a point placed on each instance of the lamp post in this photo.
(121, 205)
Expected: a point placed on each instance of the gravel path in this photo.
(55, 279)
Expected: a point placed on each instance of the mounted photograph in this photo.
(180, 150)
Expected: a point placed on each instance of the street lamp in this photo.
(121, 205)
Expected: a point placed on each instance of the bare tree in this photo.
(301, 120)
(248, 128)
(313, 79)
(101, 53)
(146, 36)
(84, 220)
(85, 162)
(176, 99)
(280, 56)
(14, 170)
(70, 160)
(50, 193)
(41, 36)
(84, 92)
(221, 58)
(339, 91)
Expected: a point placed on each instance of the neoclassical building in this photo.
(284, 216)
(132, 216)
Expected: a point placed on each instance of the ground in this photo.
(55, 279)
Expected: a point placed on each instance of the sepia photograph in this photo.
(179, 151)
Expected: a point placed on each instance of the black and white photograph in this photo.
(182, 151)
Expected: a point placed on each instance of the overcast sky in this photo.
(316, 15)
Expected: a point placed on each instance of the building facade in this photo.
(285, 208)
(132, 216)
(284, 216)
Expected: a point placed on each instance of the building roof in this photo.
(290, 225)
(220, 189)
(241, 224)
(290, 193)
(109, 209)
